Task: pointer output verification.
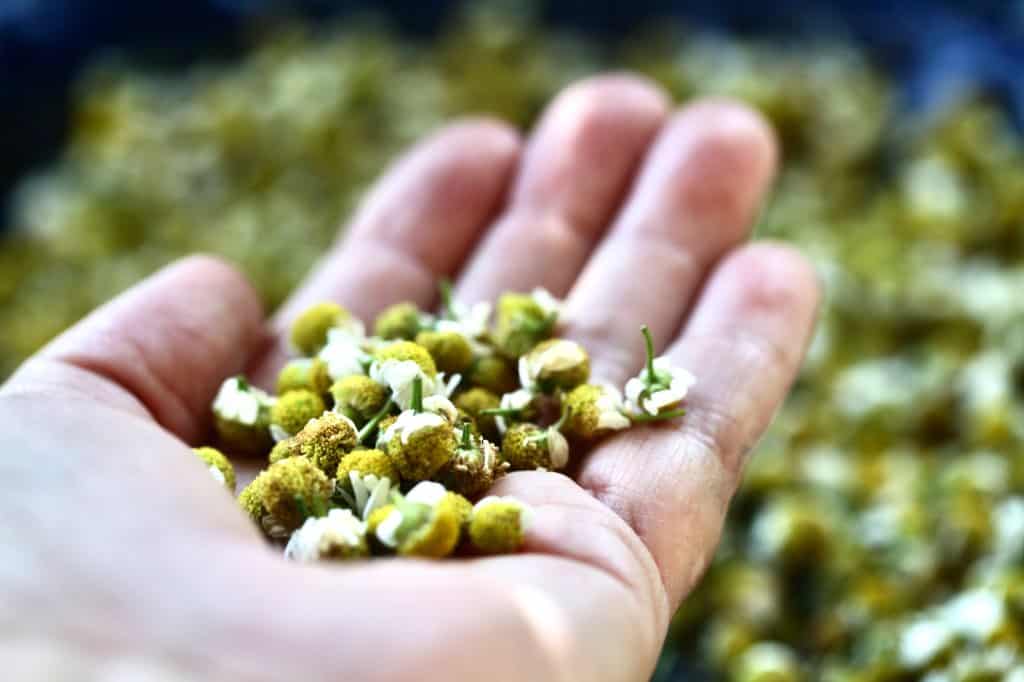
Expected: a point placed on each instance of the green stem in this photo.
(371, 425)
(467, 443)
(649, 344)
(660, 417)
(417, 394)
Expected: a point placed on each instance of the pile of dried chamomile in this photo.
(389, 443)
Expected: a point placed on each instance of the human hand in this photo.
(119, 559)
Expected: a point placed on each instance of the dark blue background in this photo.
(932, 46)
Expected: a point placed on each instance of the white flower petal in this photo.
(558, 449)
(426, 492)
(388, 528)
(240, 402)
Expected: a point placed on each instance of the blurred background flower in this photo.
(879, 534)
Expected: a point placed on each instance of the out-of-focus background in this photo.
(879, 534)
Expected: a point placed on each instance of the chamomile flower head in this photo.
(473, 401)
(308, 374)
(527, 446)
(242, 417)
(554, 364)
(401, 375)
(344, 354)
(359, 397)
(309, 331)
(523, 321)
(475, 466)
(407, 351)
(594, 411)
(399, 321)
(463, 507)
(339, 535)
(419, 444)
(660, 387)
(450, 350)
(294, 489)
(499, 524)
(284, 449)
(495, 373)
(366, 462)
(426, 523)
(326, 439)
(251, 500)
(293, 410)
(219, 466)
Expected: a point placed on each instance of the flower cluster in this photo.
(378, 444)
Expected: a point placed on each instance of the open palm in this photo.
(119, 559)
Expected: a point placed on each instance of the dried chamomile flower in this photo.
(524, 320)
(401, 321)
(554, 364)
(463, 507)
(527, 446)
(308, 374)
(284, 449)
(474, 467)
(407, 351)
(309, 331)
(493, 372)
(339, 535)
(419, 444)
(292, 411)
(499, 524)
(292, 490)
(472, 402)
(659, 389)
(424, 523)
(450, 350)
(251, 500)
(364, 493)
(366, 462)
(595, 410)
(359, 397)
(345, 354)
(219, 466)
(324, 440)
(399, 376)
(242, 415)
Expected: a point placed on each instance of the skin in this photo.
(635, 212)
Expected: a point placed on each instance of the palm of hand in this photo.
(120, 556)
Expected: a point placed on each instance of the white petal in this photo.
(389, 527)
(634, 387)
(278, 433)
(379, 497)
(426, 492)
(441, 405)
(558, 449)
(548, 303)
